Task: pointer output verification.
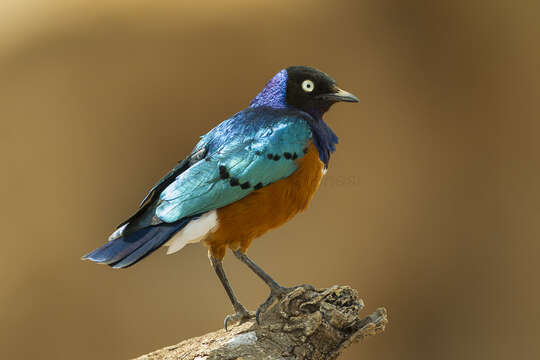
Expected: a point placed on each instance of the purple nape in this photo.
(274, 92)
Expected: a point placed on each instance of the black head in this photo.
(313, 91)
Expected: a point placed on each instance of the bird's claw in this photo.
(277, 294)
(241, 316)
(264, 306)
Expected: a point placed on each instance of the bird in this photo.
(251, 173)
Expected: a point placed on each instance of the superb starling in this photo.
(251, 173)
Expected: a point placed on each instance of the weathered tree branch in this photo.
(305, 324)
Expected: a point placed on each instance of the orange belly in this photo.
(266, 208)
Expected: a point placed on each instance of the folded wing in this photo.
(242, 156)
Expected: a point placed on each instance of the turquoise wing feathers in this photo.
(246, 152)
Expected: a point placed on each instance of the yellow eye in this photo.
(308, 86)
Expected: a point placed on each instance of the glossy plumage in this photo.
(237, 159)
(251, 173)
(267, 208)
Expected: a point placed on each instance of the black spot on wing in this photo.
(277, 157)
(287, 155)
(270, 156)
(258, 186)
(234, 182)
(245, 185)
(223, 173)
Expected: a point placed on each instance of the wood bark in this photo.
(304, 324)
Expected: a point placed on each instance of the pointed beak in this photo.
(340, 95)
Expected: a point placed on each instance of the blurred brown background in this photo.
(431, 206)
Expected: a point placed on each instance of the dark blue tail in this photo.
(128, 250)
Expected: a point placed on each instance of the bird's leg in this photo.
(272, 284)
(276, 291)
(241, 314)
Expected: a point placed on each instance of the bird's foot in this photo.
(277, 294)
(241, 316)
